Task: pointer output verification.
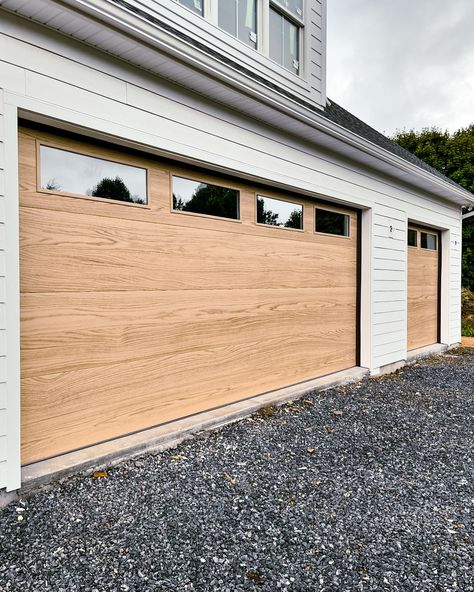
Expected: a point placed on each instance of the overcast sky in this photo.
(403, 63)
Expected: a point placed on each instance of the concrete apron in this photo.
(166, 436)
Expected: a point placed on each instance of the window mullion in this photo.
(263, 27)
(210, 11)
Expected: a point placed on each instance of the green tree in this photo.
(294, 219)
(114, 189)
(266, 216)
(452, 155)
(210, 199)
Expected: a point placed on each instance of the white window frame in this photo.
(263, 29)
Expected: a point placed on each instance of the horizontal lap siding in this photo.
(389, 285)
(454, 285)
(316, 58)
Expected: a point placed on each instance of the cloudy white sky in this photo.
(403, 63)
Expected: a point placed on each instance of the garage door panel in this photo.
(65, 332)
(99, 255)
(98, 403)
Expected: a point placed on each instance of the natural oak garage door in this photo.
(423, 287)
(151, 292)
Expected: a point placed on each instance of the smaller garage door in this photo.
(423, 286)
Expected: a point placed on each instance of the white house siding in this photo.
(86, 89)
(309, 87)
(3, 386)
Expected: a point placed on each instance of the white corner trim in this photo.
(366, 288)
(12, 265)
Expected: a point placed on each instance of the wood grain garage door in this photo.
(423, 287)
(134, 315)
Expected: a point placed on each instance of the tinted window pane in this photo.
(69, 172)
(332, 222)
(295, 6)
(276, 36)
(194, 5)
(428, 241)
(290, 46)
(412, 239)
(202, 198)
(239, 18)
(276, 212)
(284, 41)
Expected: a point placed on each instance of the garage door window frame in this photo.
(289, 201)
(336, 211)
(115, 159)
(208, 181)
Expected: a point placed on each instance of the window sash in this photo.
(196, 6)
(275, 28)
(284, 41)
(239, 18)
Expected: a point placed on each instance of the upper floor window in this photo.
(239, 18)
(194, 5)
(273, 27)
(284, 41)
(295, 7)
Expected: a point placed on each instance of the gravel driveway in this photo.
(367, 487)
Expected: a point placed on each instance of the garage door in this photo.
(151, 292)
(423, 287)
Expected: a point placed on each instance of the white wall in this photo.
(83, 89)
(9, 298)
(3, 385)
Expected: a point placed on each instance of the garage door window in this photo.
(277, 212)
(203, 198)
(63, 171)
(412, 237)
(428, 241)
(331, 222)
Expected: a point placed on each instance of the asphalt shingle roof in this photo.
(332, 111)
(342, 117)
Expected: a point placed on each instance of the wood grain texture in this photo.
(422, 296)
(131, 317)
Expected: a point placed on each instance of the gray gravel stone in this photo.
(385, 501)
